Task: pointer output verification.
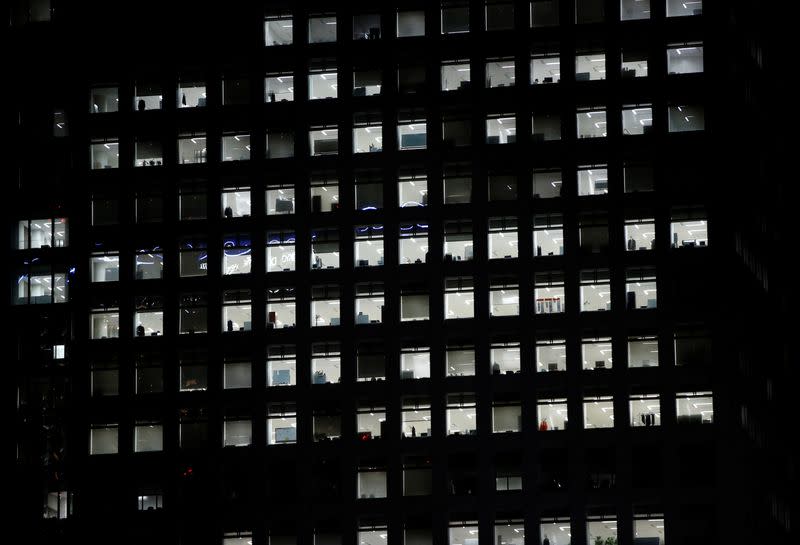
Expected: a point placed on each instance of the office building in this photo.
(461, 272)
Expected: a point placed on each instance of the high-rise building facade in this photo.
(406, 273)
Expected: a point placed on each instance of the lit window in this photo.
(280, 251)
(552, 414)
(324, 195)
(39, 285)
(104, 323)
(548, 235)
(236, 147)
(455, 75)
(461, 414)
(416, 417)
(279, 88)
(682, 8)
(369, 421)
(280, 199)
(545, 68)
(281, 366)
(411, 133)
(689, 229)
(413, 191)
(236, 254)
(555, 531)
(501, 129)
(596, 353)
(192, 94)
(413, 244)
(104, 100)
(325, 306)
(366, 82)
(326, 364)
(321, 29)
(592, 180)
(367, 137)
(505, 358)
(103, 439)
(281, 424)
(503, 297)
(694, 408)
(415, 362)
(148, 317)
(551, 355)
(322, 83)
(237, 313)
(598, 412)
(192, 149)
(148, 97)
(591, 123)
(369, 304)
(324, 141)
(648, 526)
(503, 240)
(368, 246)
(104, 154)
(595, 290)
(459, 298)
(640, 288)
(278, 30)
(460, 361)
(57, 505)
(281, 308)
(631, 10)
(590, 67)
(645, 410)
(371, 482)
(637, 119)
(500, 73)
(642, 352)
(640, 234)
(325, 248)
(236, 202)
(634, 65)
(601, 530)
(549, 293)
